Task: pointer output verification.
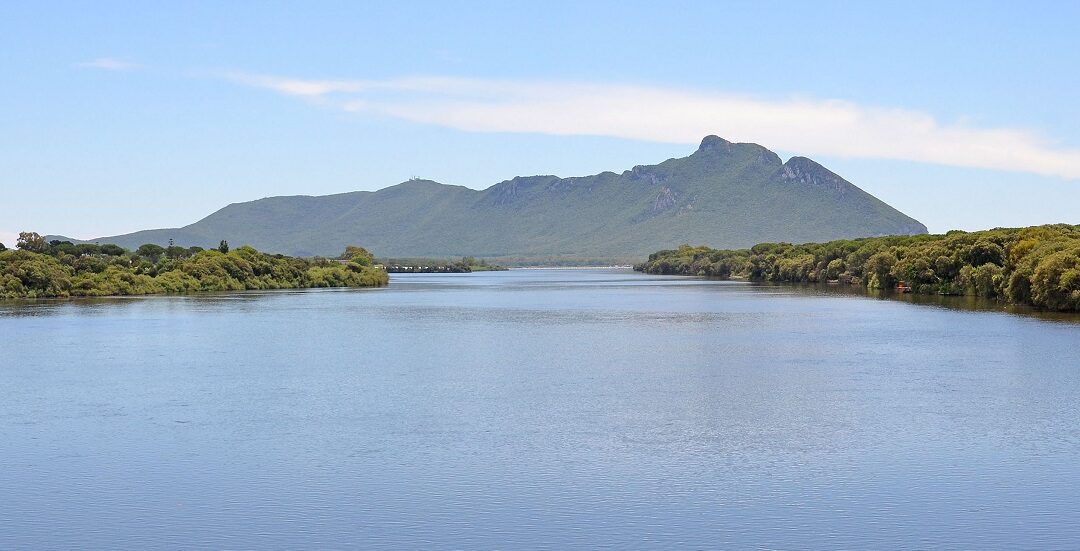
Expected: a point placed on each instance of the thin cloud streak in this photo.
(812, 127)
(109, 64)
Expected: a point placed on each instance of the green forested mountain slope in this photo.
(725, 195)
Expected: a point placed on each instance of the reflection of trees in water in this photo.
(951, 302)
(202, 302)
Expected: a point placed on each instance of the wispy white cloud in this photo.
(807, 126)
(109, 64)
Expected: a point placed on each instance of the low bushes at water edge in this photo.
(40, 269)
(1037, 266)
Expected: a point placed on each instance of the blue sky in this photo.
(125, 116)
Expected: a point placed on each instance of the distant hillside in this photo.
(725, 194)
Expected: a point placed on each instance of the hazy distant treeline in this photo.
(40, 269)
(466, 265)
(1037, 266)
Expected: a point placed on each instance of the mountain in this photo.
(724, 195)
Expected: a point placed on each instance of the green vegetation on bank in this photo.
(437, 266)
(1037, 266)
(41, 269)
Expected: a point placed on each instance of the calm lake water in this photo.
(536, 409)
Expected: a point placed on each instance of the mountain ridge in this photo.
(724, 194)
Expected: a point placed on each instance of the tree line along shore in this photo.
(47, 269)
(467, 264)
(1037, 266)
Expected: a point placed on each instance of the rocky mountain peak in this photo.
(805, 171)
(712, 143)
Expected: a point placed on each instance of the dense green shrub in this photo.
(1039, 266)
(32, 275)
(62, 269)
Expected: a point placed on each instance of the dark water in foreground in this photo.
(536, 409)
